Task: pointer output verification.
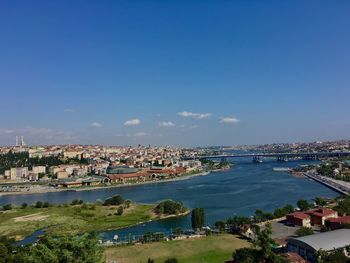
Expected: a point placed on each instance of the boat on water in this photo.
(281, 169)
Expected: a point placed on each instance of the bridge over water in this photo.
(280, 156)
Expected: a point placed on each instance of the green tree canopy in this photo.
(197, 218)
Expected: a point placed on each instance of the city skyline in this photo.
(174, 73)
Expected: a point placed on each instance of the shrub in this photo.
(120, 211)
(304, 231)
(114, 200)
(77, 202)
(7, 207)
(38, 204)
(169, 207)
(24, 205)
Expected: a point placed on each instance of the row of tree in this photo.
(67, 249)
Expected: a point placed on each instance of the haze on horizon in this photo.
(186, 73)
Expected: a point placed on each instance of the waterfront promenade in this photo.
(337, 185)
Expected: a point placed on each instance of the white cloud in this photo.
(166, 124)
(197, 116)
(132, 122)
(95, 125)
(137, 134)
(229, 120)
(40, 135)
(7, 131)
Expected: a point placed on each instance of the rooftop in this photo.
(326, 241)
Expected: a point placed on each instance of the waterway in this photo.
(241, 190)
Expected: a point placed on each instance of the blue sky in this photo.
(183, 73)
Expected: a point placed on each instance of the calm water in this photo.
(240, 191)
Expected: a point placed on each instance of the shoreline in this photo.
(44, 191)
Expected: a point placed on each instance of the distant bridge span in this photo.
(278, 155)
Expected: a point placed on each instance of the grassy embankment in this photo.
(211, 249)
(71, 219)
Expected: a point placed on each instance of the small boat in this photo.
(281, 169)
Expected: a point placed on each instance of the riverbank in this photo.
(76, 219)
(92, 188)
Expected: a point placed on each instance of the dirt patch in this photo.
(32, 217)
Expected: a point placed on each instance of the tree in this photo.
(38, 204)
(304, 231)
(6, 255)
(46, 204)
(150, 260)
(220, 225)
(24, 205)
(169, 207)
(114, 200)
(245, 255)
(120, 211)
(303, 205)
(288, 208)
(178, 231)
(62, 250)
(335, 256)
(197, 218)
(262, 252)
(264, 240)
(343, 206)
(319, 201)
(237, 221)
(7, 207)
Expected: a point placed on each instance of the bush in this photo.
(7, 207)
(178, 231)
(127, 203)
(114, 200)
(304, 231)
(120, 211)
(220, 225)
(39, 204)
(77, 202)
(46, 204)
(24, 205)
(169, 207)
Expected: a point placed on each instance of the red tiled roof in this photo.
(321, 212)
(294, 257)
(130, 175)
(299, 215)
(341, 220)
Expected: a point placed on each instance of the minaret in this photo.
(16, 140)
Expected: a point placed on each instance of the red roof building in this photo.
(127, 176)
(337, 223)
(319, 215)
(299, 219)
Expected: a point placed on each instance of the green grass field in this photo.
(67, 219)
(211, 249)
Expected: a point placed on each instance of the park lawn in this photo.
(211, 249)
(69, 219)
